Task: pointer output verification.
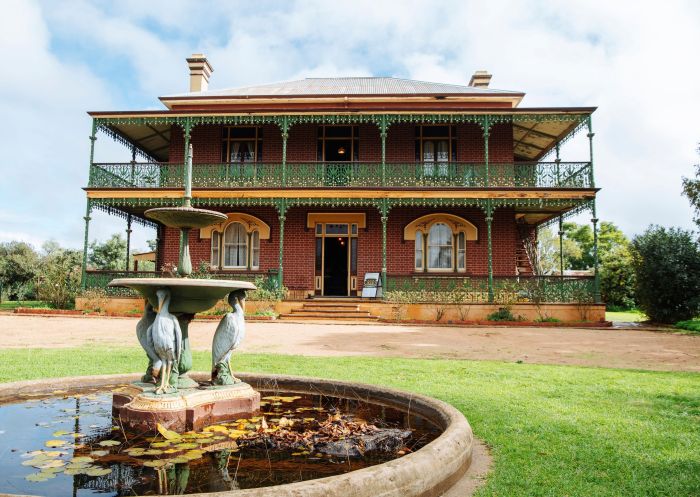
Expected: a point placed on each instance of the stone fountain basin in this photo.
(187, 295)
(434, 470)
(185, 217)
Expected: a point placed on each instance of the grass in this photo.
(553, 430)
(692, 325)
(8, 305)
(626, 316)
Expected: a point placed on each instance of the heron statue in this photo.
(166, 336)
(149, 315)
(227, 338)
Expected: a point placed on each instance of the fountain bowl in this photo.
(188, 295)
(185, 217)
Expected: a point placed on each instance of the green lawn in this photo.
(553, 430)
(7, 305)
(626, 316)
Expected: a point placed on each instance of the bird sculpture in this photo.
(166, 336)
(149, 315)
(227, 338)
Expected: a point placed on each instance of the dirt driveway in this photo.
(629, 348)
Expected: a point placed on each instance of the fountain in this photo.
(166, 395)
(172, 431)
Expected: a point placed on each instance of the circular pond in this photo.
(312, 437)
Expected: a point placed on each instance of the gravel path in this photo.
(617, 348)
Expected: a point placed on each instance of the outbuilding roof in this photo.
(347, 86)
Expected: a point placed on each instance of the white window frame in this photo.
(236, 244)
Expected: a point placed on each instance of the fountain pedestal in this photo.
(191, 405)
(138, 408)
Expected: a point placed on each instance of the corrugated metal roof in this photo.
(346, 86)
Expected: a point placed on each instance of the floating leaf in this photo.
(236, 434)
(81, 459)
(187, 446)
(216, 428)
(60, 433)
(53, 463)
(109, 443)
(153, 452)
(193, 454)
(55, 443)
(168, 434)
(158, 463)
(99, 453)
(52, 470)
(98, 471)
(38, 477)
(179, 460)
(161, 444)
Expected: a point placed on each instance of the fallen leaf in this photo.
(168, 434)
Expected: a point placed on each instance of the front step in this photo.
(329, 310)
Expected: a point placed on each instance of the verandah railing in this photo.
(344, 174)
(507, 289)
(100, 279)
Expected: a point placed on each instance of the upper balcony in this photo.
(355, 175)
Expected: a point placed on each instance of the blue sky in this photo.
(635, 61)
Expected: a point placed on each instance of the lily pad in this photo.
(161, 444)
(98, 471)
(109, 443)
(60, 433)
(158, 463)
(80, 459)
(187, 446)
(55, 443)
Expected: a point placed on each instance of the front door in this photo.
(335, 266)
(336, 259)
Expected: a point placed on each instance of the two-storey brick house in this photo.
(435, 186)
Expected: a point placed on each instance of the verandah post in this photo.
(284, 128)
(489, 219)
(385, 220)
(83, 277)
(88, 208)
(383, 135)
(128, 239)
(487, 132)
(282, 215)
(186, 129)
(594, 220)
(596, 275)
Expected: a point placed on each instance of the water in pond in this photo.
(69, 444)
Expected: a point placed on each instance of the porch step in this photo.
(329, 310)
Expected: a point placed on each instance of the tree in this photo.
(19, 264)
(691, 189)
(667, 268)
(59, 279)
(108, 256)
(548, 252)
(617, 278)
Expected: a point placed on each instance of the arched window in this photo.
(440, 247)
(235, 246)
(440, 242)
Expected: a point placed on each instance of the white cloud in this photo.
(632, 59)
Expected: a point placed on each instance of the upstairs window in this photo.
(435, 147)
(241, 144)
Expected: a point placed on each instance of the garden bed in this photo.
(509, 324)
(74, 312)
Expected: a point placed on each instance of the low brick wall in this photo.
(406, 312)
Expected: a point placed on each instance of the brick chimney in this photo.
(200, 70)
(480, 79)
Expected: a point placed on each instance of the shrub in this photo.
(502, 314)
(59, 278)
(667, 268)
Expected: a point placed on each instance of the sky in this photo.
(636, 61)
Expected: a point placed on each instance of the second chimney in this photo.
(480, 79)
(200, 70)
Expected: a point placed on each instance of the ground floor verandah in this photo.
(445, 252)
